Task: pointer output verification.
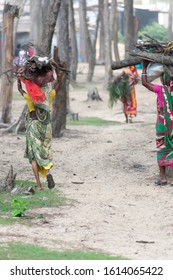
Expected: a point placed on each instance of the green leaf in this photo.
(19, 203)
(16, 213)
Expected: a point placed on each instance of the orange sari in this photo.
(130, 104)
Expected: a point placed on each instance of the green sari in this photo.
(39, 136)
(164, 130)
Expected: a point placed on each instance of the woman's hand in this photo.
(145, 64)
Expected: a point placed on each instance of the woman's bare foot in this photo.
(161, 182)
(39, 188)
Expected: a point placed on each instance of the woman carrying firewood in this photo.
(164, 123)
(36, 75)
(130, 103)
(123, 89)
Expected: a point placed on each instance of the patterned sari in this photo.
(39, 135)
(130, 104)
(164, 131)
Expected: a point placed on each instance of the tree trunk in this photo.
(85, 40)
(36, 19)
(9, 13)
(83, 31)
(112, 19)
(115, 34)
(129, 30)
(17, 126)
(108, 57)
(49, 23)
(21, 6)
(73, 43)
(60, 103)
(114, 27)
(101, 57)
(91, 53)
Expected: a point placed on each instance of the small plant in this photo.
(19, 207)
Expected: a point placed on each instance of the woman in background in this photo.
(123, 88)
(130, 103)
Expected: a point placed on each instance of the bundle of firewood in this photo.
(152, 51)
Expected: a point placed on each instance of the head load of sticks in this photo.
(41, 70)
(151, 50)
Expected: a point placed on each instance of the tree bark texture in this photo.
(60, 107)
(108, 49)
(17, 126)
(36, 20)
(101, 57)
(115, 35)
(135, 57)
(83, 31)
(59, 111)
(9, 13)
(156, 57)
(125, 63)
(129, 32)
(49, 23)
(91, 54)
(73, 56)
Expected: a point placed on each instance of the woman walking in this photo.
(36, 76)
(130, 103)
(164, 123)
(123, 88)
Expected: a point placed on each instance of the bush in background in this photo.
(155, 31)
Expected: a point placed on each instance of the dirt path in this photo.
(117, 208)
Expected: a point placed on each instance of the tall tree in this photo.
(114, 28)
(91, 43)
(49, 23)
(73, 43)
(87, 47)
(9, 13)
(60, 102)
(108, 49)
(36, 20)
(101, 37)
(83, 31)
(129, 30)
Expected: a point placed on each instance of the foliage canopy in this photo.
(155, 31)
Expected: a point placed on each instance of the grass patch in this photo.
(18, 251)
(91, 121)
(40, 199)
(45, 198)
(7, 220)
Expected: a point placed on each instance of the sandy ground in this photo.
(110, 172)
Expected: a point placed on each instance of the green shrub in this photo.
(155, 31)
